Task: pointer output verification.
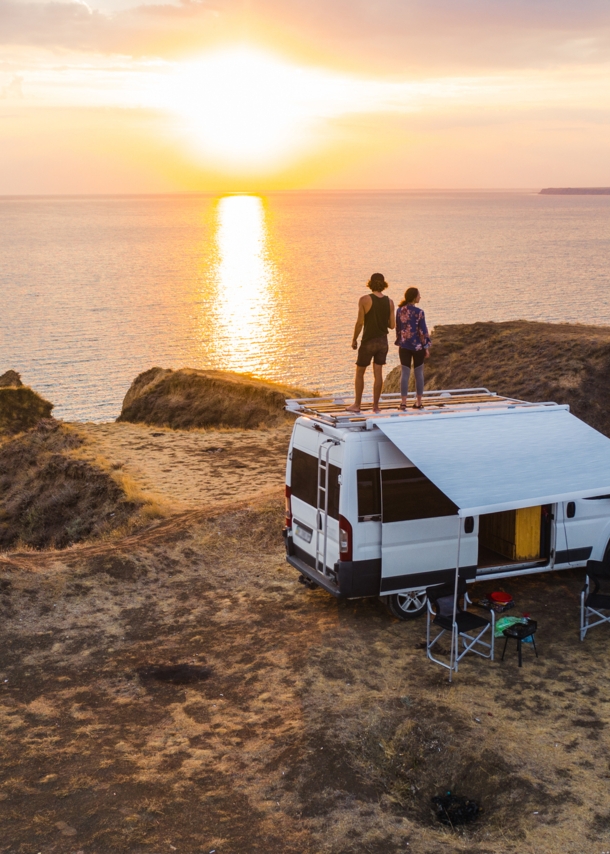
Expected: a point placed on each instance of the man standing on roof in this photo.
(376, 315)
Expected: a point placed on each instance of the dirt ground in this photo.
(196, 468)
(313, 725)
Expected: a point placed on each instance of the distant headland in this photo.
(575, 191)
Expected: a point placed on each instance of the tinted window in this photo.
(304, 482)
(369, 494)
(408, 494)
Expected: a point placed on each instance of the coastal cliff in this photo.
(170, 662)
(575, 191)
(20, 407)
(190, 398)
(566, 363)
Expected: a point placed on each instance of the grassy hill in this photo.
(20, 406)
(567, 363)
(56, 491)
(190, 398)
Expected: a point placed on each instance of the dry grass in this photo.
(322, 728)
(21, 408)
(55, 491)
(191, 398)
(567, 363)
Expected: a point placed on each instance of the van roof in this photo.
(486, 452)
(330, 409)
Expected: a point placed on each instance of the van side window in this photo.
(304, 481)
(369, 495)
(408, 494)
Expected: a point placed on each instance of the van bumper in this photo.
(309, 572)
(302, 562)
(353, 579)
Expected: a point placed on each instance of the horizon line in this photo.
(272, 192)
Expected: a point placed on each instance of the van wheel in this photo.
(407, 606)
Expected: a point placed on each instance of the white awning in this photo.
(487, 462)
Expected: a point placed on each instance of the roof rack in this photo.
(331, 409)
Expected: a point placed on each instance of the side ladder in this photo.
(322, 505)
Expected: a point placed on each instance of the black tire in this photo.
(408, 606)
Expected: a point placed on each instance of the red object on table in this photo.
(500, 598)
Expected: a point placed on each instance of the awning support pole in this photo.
(454, 639)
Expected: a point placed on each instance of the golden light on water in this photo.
(245, 275)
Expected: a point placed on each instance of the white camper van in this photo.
(387, 504)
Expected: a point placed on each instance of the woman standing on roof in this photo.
(414, 344)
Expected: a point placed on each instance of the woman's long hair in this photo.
(410, 296)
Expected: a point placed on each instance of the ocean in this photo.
(95, 290)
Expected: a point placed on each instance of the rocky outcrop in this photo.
(189, 398)
(567, 363)
(10, 379)
(20, 407)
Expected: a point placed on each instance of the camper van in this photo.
(386, 504)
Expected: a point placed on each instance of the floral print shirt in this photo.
(411, 330)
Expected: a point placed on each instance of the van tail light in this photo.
(288, 508)
(345, 539)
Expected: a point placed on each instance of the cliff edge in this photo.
(190, 398)
(20, 407)
(566, 363)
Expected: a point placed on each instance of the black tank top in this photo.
(377, 318)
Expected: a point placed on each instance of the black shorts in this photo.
(375, 349)
(418, 357)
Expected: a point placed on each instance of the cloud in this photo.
(13, 90)
(452, 34)
(76, 26)
(50, 24)
(384, 37)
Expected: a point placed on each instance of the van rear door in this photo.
(313, 530)
(419, 531)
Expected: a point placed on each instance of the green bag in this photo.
(504, 623)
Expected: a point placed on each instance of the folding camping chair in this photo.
(593, 603)
(440, 613)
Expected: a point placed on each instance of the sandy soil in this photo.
(195, 468)
(315, 726)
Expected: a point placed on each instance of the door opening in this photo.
(515, 537)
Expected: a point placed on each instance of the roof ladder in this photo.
(322, 505)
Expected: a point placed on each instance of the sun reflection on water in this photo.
(244, 278)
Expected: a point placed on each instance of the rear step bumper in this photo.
(313, 575)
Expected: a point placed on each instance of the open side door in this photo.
(419, 531)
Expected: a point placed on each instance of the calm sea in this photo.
(95, 290)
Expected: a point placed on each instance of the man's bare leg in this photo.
(377, 385)
(359, 389)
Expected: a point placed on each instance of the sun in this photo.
(243, 108)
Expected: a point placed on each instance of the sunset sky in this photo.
(115, 96)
